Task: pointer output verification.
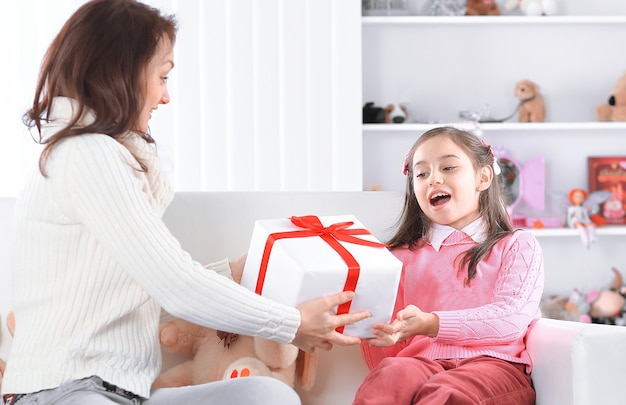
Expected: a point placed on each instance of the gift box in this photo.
(298, 259)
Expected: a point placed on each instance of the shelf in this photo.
(609, 230)
(620, 19)
(514, 126)
(441, 66)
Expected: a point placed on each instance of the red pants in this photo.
(417, 380)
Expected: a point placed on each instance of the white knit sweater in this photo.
(94, 265)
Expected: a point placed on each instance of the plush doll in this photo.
(582, 207)
(373, 114)
(533, 7)
(567, 308)
(11, 328)
(396, 114)
(578, 217)
(553, 306)
(391, 114)
(3, 366)
(481, 7)
(445, 8)
(532, 105)
(577, 307)
(211, 355)
(608, 304)
(604, 305)
(615, 107)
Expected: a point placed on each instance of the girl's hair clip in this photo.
(496, 167)
(494, 162)
(405, 166)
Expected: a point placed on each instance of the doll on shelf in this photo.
(578, 216)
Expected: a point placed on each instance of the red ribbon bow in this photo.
(333, 235)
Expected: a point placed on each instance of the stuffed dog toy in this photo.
(481, 7)
(614, 109)
(532, 105)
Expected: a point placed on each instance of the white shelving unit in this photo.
(602, 231)
(482, 20)
(443, 65)
(506, 126)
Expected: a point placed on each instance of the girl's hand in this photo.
(409, 322)
(318, 324)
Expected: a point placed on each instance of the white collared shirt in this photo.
(439, 233)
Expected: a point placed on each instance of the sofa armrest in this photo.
(577, 363)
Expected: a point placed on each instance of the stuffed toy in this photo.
(373, 114)
(604, 305)
(615, 108)
(608, 304)
(567, 308)
(3, 366)
(445, 8)
(581, 210)
(392, 113)
(533, 7)
(553, 307)
(481, 7)
(532, 104)
(11, 328)
(396, 114)
(577, 307)
(211, 355)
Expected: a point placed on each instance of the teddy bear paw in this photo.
(246, 367)
(239, 373)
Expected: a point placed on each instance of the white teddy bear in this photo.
(533, 7)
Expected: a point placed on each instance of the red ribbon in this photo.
(333, 234)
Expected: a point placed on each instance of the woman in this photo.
(94, 263)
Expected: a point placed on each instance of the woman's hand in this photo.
(409, 322)
(236, 268)
(318, 324)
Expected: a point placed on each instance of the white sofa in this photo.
(575, 363)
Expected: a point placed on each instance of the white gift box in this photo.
(298, 259)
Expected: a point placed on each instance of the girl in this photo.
(469, 291)
(93, 262)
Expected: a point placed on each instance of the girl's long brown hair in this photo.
(98, 58)
(413, 224)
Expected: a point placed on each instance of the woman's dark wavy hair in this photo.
(413, 224)
(99, 59)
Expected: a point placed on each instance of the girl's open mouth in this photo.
(439, 198)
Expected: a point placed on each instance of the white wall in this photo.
(266, 94)
(442, 67)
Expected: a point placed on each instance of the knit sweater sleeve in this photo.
(515, 301)
(101, 190)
